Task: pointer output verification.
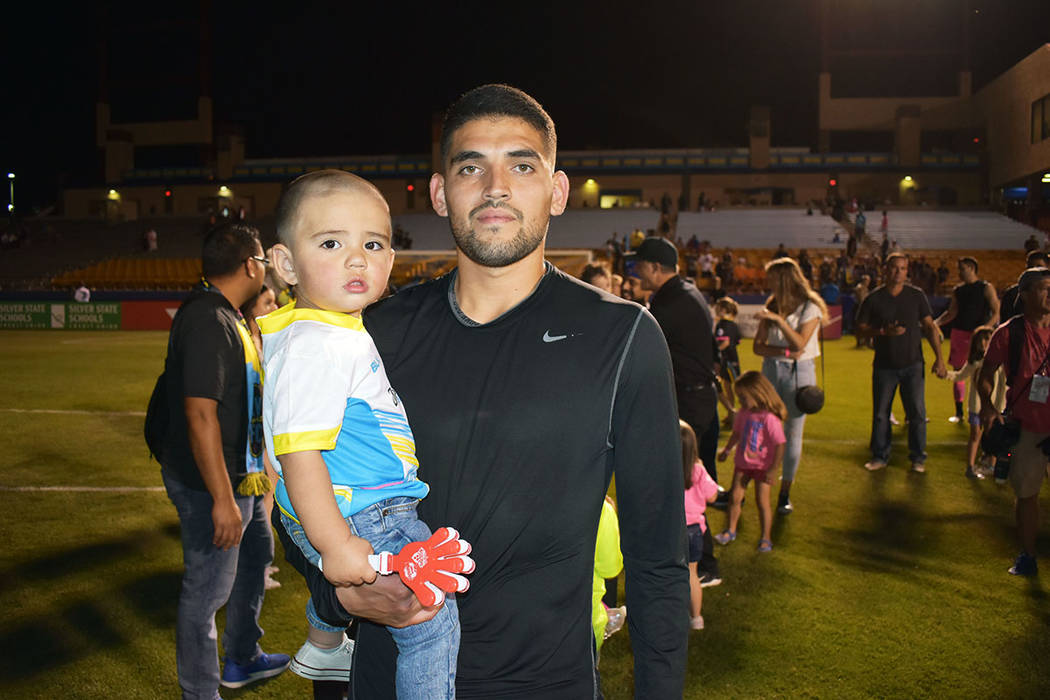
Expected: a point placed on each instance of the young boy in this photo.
(727, 336)
(335, 429)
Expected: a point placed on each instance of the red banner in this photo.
(832, 331)
(147, 315)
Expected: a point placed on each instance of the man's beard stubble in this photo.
(497, 253)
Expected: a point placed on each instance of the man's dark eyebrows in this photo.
(465, 155)
(524, 153)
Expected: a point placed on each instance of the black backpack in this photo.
(157, 418)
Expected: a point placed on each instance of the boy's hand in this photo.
(348, 565)
(723, 455)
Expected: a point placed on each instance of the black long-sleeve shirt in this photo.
(519, 425)
(685, 319)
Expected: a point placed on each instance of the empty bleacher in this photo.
(576, 228)
(761, 228)
(135, 273)
(952, 230)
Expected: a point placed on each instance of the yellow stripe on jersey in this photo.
(283, 317)
(404, 448)
(304, 441)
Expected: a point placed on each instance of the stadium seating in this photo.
(760, 228)
(952, 230)
(135, 273)
(576, 228)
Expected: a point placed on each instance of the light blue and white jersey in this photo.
(325, 389)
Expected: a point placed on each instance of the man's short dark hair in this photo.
(1030, 276)
(226, 246)
(491, 101)
(594, 270)
(1036, 258)
(895, 256)
(968, 260)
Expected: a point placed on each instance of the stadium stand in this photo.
(576, 228)
(760, 228)
(952, 230)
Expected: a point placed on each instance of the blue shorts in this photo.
(696, 542)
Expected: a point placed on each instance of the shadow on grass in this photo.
(890, 536)
(725, 650)
(154, 598)
(1030, 647)
(86, 625)
(44, 644)
(78, 560)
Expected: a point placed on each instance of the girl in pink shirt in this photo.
(700, 489)
(758, 435)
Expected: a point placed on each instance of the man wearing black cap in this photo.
(685, 319)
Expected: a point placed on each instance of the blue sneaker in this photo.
(234, 675)
(1024, 565)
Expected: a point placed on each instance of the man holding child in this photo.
(526, 391)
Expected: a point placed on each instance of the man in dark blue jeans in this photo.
(211, 369)
(896, 315)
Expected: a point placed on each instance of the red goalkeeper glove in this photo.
(432, 568)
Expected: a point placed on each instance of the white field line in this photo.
(73, 412)
(82, 489)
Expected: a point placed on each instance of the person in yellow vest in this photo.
(608, 562)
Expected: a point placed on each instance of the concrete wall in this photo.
(1006, 105)
(198, 130)
(880, 113)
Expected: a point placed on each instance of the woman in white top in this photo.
(787, 340)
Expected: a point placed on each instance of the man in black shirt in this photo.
(226, 538)
(895, 314)
(527, 390)
(685, 319)
(974, 303)
(1012, 305)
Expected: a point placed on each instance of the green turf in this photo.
(886, 585)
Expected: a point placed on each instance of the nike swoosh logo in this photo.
(548, 338)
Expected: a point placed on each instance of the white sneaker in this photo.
(317, 664)
(874, 465)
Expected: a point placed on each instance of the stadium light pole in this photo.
(11, 196)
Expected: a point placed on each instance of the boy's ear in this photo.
(284, 264)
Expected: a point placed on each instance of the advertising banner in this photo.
(39, 315)
(148, 315)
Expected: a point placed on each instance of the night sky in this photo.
(306, 79)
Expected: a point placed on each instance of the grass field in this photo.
(880, 585)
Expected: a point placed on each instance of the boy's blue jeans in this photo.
(214, 578)
(427, 652)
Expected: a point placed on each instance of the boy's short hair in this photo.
(314, 183)
(227, 246)
(728, 306)
(495, 100)
(970, 261)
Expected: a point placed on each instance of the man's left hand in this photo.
(939, 369)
